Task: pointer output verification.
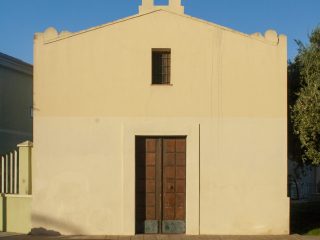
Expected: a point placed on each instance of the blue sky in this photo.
(20, 19)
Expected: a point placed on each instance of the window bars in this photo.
(161, 66)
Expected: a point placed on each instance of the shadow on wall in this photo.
(54, 223)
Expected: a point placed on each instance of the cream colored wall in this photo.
(15, 212)
(18, 212)
(244, 171)
(93, 94)
(2, 227)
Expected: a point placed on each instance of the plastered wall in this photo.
(93, 94)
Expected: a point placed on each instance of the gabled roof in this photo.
(55, 36)
(15, 64)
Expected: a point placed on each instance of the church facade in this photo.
(160, 123)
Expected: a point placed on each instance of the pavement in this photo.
(13, 236)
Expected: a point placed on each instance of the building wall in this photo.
(317, 173)
(93, 94)
(15, 102)
(303, 182)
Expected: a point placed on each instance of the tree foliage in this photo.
(305, 112)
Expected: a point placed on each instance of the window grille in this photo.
(161, 66)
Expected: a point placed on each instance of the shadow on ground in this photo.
(304, 217)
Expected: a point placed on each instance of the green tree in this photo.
(304, 72)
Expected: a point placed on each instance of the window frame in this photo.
(154, 82)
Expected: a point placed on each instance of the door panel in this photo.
(174, 181)
(160, 184)
(145, 185)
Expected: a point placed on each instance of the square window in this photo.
(161, 66)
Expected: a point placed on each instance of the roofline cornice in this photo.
(15, 64)
(270, 37)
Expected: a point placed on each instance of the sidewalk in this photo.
(12, 236)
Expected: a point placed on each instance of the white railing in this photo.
(9, 173)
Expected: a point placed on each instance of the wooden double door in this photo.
(160, 184)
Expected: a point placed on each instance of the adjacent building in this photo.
(15, 102)
(160, 123)
(303, 182)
